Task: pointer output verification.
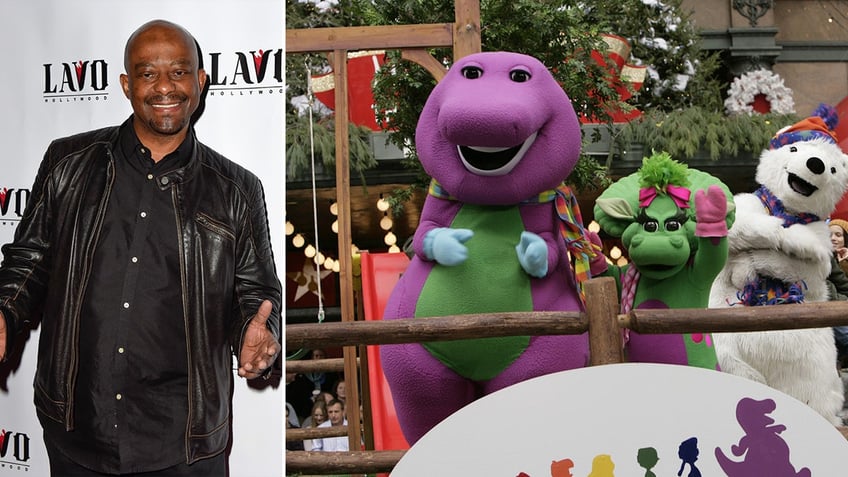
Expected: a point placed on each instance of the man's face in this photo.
(163, 82)
(336, 414)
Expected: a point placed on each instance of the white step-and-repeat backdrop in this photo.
(62, 62)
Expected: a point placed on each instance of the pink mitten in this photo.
(710, 212)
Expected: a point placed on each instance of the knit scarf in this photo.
(775, 208)
(580, 249)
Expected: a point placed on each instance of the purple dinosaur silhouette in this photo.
(762, 449)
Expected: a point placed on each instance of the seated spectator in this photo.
(299, 393)
(335, 417)
(340, 390)
(291, 445)
(318, 417)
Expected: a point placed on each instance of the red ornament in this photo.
(761, 104)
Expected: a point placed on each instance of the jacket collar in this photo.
(185, 157)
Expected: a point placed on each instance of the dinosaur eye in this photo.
(651, 226)
(793, 149)
(472, 72)
(519, 76)
(833, 170)
(672, 225)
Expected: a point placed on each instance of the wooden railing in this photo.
(602, 321)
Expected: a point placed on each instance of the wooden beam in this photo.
(330, 365)
(436, 328)
(737, 318)
(426, 60)
(334, 463)
(386, 37)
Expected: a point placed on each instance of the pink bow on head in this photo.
(680, 195)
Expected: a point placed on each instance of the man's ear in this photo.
(125, 85)
(201, 78)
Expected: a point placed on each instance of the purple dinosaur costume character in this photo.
(498, 136)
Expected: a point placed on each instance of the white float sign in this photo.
(631, 420)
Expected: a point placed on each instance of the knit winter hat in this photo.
(841, 223)
(820, 125)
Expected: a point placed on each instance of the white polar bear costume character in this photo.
(780, 252)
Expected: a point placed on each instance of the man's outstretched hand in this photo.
(2, 337)
(260, 348)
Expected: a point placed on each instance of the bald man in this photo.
(146, 257)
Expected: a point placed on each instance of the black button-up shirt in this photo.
(132, 388)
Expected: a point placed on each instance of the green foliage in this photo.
(300, 141)
(683, 133)
(300, 138)
(660, 170)
(663, 38)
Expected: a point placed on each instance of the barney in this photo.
(499, 232)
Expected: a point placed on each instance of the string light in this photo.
(309, 251)
(382, 204)
(621, 262)
(394, 249)
(390, 238)
(335, 226)
(615, 253)
(298, 241)
(594, 227)
(329, 263)
(289, 228)
(336, 266)
(386, 222)
(334, 208)
(320, 258)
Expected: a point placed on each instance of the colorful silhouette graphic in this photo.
(762, 449)
(602, 466)
(647, 458)
(562, 468)
(688, 453)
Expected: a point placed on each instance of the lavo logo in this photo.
(76, 81)
(255, 71)
(19, 198)
(14, 449)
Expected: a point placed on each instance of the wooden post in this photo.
(466, 28)
(342, 123)
(605, 345)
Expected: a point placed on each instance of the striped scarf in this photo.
(775, 208)
(580, 249)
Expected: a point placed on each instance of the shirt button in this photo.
(143, 150)
(149, 176)
(118, 396)
(135, 260)
(121, 350)
(126, 304)
(143, 214)
(164, 181)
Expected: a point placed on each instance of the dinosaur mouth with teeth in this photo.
(494, 161)
(801, 186)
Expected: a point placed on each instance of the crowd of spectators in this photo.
(316, 400)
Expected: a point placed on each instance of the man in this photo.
(146, 257)
(335, 417)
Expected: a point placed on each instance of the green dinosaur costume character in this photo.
(677, 243)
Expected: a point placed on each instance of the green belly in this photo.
(490, 281)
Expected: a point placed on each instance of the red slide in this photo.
(380, 272)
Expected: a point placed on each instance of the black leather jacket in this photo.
(227, 270)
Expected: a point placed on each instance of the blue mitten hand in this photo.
(445, 245)
(533, 254)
